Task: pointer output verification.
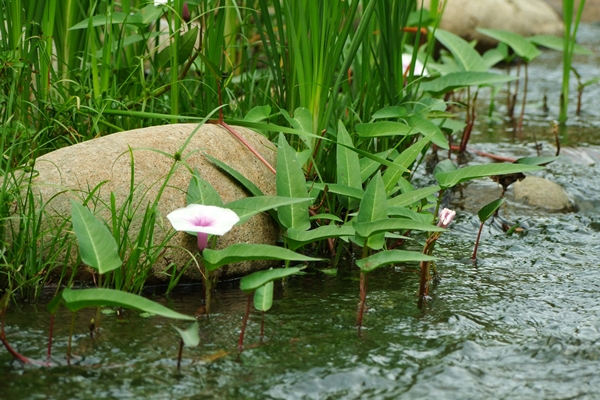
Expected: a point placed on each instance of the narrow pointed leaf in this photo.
(390, 257)
(248, 252)
(257, 279)
(263, 297)
(366, 229)
(290, 182)
(558, 43)
(489, 209)
(347, 167)
(536, 160)
(462, 79)
(247, 207)
(96, 244)
(245, 182)
(408, 198)
(373, 207)
(383, 128)
(466, 57)
(521, 46)
(451, 178)
(201, 192)
(296, 238)
(77, 299)
(344, 190)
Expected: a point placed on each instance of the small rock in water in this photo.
(542, 193)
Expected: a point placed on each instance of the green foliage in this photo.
(96, 244)
(447, 175)
(290, 182)
(263, 297)
(255, 280)
(520, 45)
(77, 299)
(489, 209)
(389, 257)
(246, 252)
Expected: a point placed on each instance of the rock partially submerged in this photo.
(103, 166)
(527, 18)
(542, 193)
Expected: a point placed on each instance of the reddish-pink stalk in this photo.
(244, 322)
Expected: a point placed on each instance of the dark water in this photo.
(523, 323)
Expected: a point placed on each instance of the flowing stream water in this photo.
(522, 323)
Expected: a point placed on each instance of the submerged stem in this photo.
(244, 322)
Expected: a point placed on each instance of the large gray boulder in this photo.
(542, 193)
(525, 17)
(103, 166)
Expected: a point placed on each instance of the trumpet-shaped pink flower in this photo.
(446, 216)
(203, 220)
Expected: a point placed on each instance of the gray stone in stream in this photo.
(542, 193)
(525, 17)
(105, 164)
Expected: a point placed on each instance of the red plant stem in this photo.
(49, 352)
(244, 322)
(474, 256)
(245, 143)
(484, 154)
(262, 327)
(363, 297)
(520, 125)
(471, 121)
(424, 279)
(180, 353)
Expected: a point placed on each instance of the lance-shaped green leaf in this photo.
(263, 297)
(347, 167)
(366, 229)
(403, 212)
(388, 257)
(296, 238)
(462, 79)
(369, 166)
(344, 190)
(429, 130)
(521, 46)
(190, 335)
(536, 160)
(290, 182)
(373, 207)
(257, 279)
(202, 192)
(408, 198)
(404, 160)
(390, 112)
(451, 178)
(77, 299)
(558, 43)
(383, 128)
(96, 244)
(466, 57)
(247, 252)
(249, 206)
(489, 209)
(245, 182)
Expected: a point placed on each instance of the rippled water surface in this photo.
(522, 323)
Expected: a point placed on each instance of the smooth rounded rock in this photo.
(525, 17)
(539, 192)
(99, 167)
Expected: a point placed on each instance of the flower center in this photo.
(203, 220)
